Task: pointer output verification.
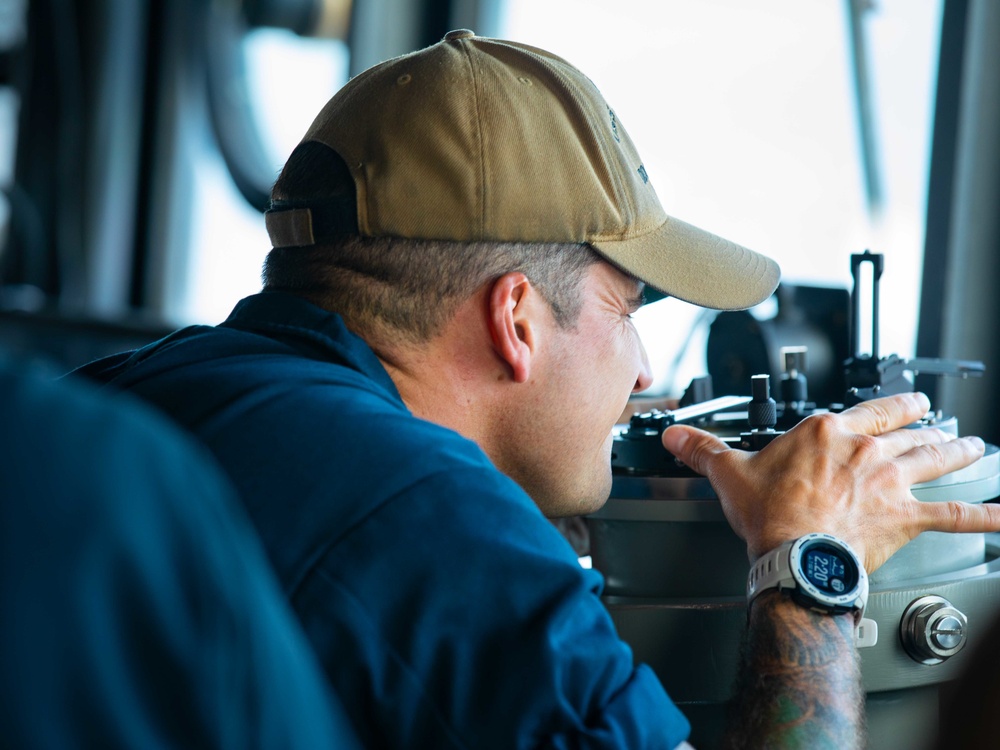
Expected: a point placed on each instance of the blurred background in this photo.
(139, 140)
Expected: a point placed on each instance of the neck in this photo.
(450, 380)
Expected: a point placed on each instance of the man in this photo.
(459, 242)
(138, 608)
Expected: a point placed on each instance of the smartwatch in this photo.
(820, 572)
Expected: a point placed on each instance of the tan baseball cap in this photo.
(484, 139)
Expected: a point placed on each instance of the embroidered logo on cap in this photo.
(614, 124)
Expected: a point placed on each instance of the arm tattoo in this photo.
(799, 682)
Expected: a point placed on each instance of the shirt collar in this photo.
(292, 320)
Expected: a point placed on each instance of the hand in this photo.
(846, 474)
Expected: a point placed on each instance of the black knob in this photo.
(762, 411)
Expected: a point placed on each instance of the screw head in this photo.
(932, 630)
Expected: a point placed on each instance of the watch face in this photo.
(829, 569)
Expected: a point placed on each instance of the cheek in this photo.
(599, 371)
(624, 357)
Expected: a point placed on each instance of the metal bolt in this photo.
(932, 630)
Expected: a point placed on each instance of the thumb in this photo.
(693, 447)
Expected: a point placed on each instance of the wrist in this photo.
(776, 605)
(821, 571)
(817, 572)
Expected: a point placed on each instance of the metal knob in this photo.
(793, 381)
(932, 630)
(794, 358)
(762, 411)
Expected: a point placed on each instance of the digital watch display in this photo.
(828, 569)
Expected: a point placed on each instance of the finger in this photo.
(901, 441)
(693, 447)
(958, 517)
(882, 415)
(933, 460)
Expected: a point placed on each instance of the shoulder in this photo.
(119, 531)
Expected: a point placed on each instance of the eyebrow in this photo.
(637, 300)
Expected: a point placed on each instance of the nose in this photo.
(645, 377)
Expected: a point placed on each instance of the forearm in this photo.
(799, 684)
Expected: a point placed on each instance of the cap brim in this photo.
(683, 261)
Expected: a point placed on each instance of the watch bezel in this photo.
(812, 594)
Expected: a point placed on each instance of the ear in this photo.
(512, 307)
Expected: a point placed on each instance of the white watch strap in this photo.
(771, 571)
(866, 634)
(774, 571)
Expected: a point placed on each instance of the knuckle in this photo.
(894, 474)
(880, 415)
(825, 425)
(722, 465)
(935, 456)
(698, 453)
(958, 514)
(867, 450)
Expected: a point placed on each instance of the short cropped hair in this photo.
(414, 287)
(407, 287)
